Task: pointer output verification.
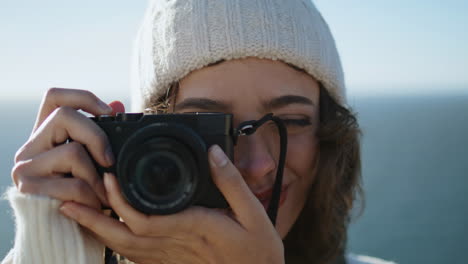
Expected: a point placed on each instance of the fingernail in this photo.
(107, 180)
(109, 155)
(67, 211)
(217, 156)
(105, 107)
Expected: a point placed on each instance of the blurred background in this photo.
(406, 71)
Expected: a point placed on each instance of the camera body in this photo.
(162, 160)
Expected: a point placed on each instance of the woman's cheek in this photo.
(299, 173)
(301, 155)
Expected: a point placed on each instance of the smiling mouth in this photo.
(265, 196)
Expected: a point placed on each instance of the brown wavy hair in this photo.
(319, 234)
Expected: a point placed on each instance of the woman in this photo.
(244, 57)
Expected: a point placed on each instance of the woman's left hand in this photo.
(195, 235)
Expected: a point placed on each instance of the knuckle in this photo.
(63, 111)
(93, 97)
(18, 171)
(51, 95)
(99, 143)
(89, 96)
(20, 153)
(227, 176)
(61, 116)
(75, 152)
(203, 240)
(26, 186)
(101, 138)
(52, 92)
(231, 177)
(80, 187)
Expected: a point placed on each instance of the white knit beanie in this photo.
(180, 36)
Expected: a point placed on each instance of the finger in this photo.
(245, 206)
(110, 231)
(140, 223)
(68, 158)
(67, 123)
(117, 107)
(77, 99)
(119, 237)
(64, 189)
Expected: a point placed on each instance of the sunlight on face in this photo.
(250, 88)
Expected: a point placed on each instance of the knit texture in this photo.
(180, 36)
(44, 235)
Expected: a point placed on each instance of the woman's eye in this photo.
(301, 122)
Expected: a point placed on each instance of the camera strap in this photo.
(249, 127)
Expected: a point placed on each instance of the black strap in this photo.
(248, 128)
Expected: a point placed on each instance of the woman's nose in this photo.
(255, 160)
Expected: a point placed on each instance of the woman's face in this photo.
(249, 89)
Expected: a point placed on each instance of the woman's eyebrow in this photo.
(207, 104)
(286, 100)
(202, 104)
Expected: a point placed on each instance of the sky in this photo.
(386, 47)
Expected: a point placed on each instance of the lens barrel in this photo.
(161, 168)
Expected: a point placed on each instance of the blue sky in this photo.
(401, 43)
(386, 46)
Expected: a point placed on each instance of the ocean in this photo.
(415, 175)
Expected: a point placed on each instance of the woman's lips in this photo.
(265, 196)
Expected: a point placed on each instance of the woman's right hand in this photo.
(43, 161)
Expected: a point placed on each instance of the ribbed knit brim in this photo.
(180, 36)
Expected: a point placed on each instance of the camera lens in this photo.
(160, 168)
(158, 176)
(162, 176)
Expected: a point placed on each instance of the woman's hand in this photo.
(43, 161)
(195, 235)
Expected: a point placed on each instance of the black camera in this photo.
(162, 160)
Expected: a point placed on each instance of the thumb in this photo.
(245, 206)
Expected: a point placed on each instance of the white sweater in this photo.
(44, 235)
